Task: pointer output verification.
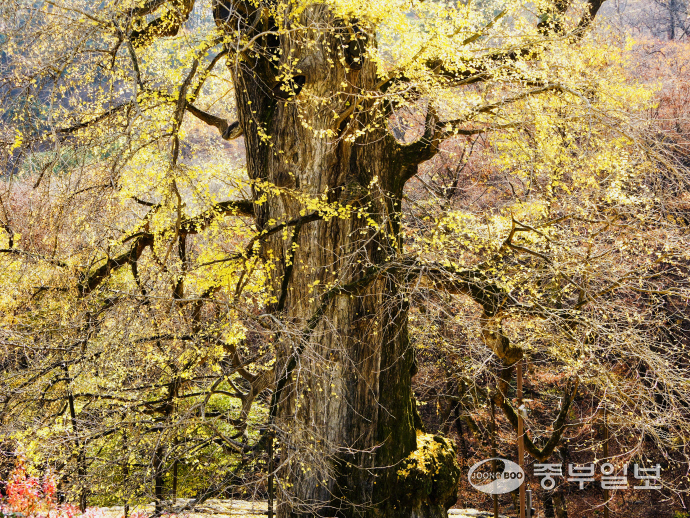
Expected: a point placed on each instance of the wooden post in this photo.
(521, 438)
(606, 456)
(270, 474)
(493, 452)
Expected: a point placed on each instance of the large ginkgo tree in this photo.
(156, 269)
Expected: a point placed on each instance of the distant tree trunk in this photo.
(349, 390)
(672, 19)
(461, 435)
(559, 505)
(559, 500)
(158, 462)
(174, 481)
(79, 446)
(125, 472)
(158, 479)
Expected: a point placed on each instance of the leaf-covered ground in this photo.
(211, 508)
(256, 509)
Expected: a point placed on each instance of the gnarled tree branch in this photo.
(228, 130)
(167, 24)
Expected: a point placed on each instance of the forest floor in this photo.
(216, 508)
(213, 508)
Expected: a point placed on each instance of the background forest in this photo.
(224, 271)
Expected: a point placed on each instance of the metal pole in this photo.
(606, 456)
(493, 451)
(521, 439)
(528, 503)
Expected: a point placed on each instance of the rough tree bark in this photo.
(346, 380)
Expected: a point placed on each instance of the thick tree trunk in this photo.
(348, 425)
